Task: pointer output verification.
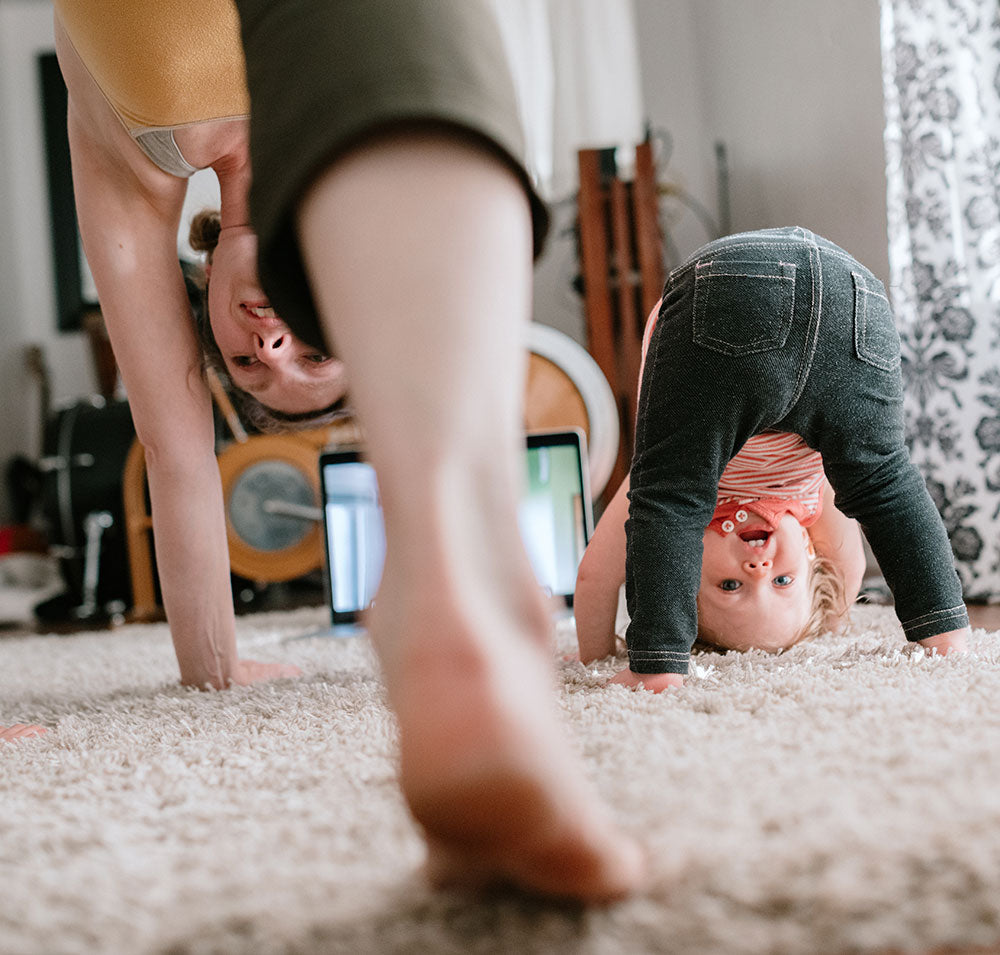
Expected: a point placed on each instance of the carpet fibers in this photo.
(841, 797)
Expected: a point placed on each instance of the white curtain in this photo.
(941, 61)
(576, 69)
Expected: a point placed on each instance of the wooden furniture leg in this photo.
(621, 256)
(139, 536)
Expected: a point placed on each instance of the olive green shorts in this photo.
(325, 74)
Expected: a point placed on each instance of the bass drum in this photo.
(85, 447)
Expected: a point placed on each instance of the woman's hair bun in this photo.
(205, 228)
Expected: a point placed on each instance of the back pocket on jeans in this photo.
(876, 340)
(743, 306)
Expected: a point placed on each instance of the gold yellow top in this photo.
(161, 63)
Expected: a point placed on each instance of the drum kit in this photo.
(95, 505)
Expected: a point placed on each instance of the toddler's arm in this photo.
(599, 580)
(837, 537)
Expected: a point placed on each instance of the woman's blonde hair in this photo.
(204, 237)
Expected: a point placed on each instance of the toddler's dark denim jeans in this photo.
(776, 330)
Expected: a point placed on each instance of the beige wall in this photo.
(793, 88)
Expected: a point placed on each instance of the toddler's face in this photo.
(755, 585)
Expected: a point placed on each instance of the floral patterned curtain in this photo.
(941, 69)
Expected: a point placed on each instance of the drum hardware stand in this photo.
(290, 509)
(55, 462)
(94, 526)
(61, 464)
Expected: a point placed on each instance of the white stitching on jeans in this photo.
(929, 617)
(744, 275)
(758, 243)
(869, 355)
(868, 291)
(658, 655)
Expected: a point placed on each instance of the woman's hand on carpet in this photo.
(654, 682)
(20, 731)
(252, 671)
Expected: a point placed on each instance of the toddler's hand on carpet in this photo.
(654, 682)
(954, 641)
(252, 671)
(20, 731)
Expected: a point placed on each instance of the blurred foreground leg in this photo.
(418, 248)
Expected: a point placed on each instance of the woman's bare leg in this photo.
(418, 248)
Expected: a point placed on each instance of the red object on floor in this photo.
(22, 538)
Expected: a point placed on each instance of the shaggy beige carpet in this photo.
(842, 797)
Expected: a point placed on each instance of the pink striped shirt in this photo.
(774, 464)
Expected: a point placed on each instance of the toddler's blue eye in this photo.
(730, 584)
(784, 580)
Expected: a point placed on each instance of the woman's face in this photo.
(261, 354)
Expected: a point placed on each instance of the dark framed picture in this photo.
(74, 289)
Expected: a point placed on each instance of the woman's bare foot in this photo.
(20, 731)
(485, 768)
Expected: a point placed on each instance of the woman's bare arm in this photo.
(129, 213)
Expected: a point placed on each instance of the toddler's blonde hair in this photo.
(828, 599)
